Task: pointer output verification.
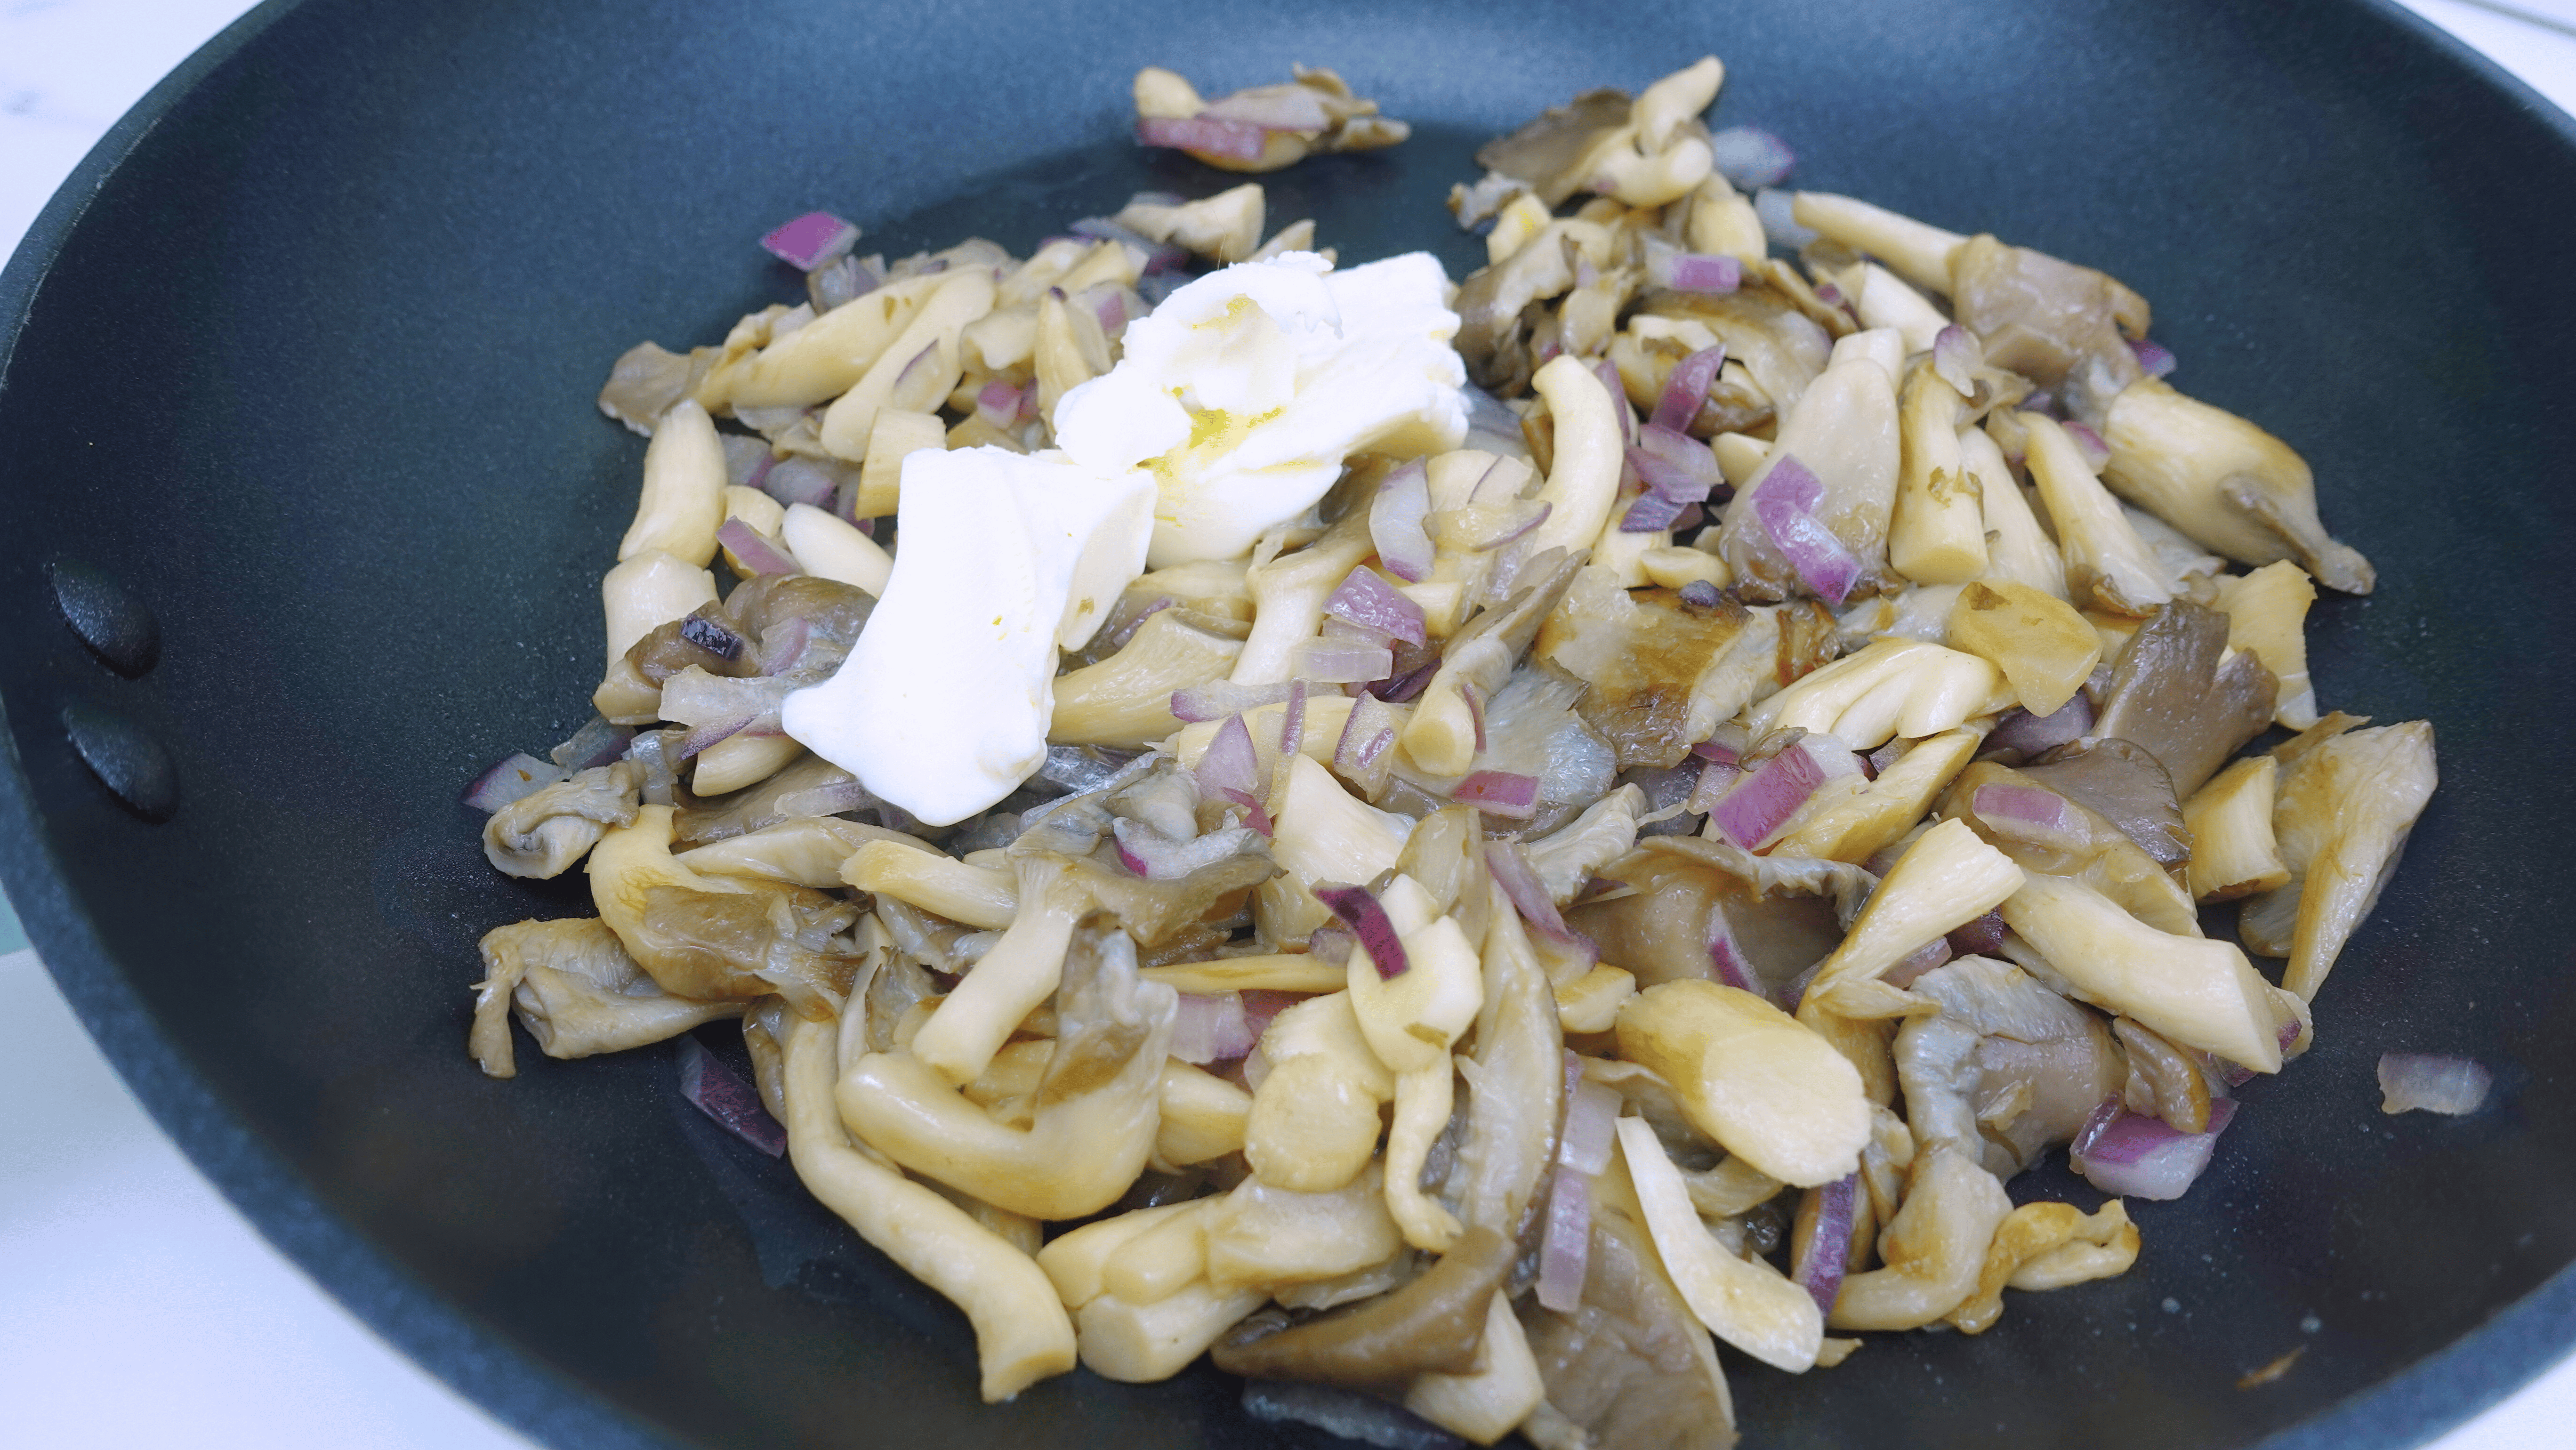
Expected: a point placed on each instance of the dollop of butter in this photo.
(1245, 390)
(942, 707)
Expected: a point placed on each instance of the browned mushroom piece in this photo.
(1663, 672)
(1432, 1325)
(1553, 154)
(2041, 317)
(2049, 832)
(2123, 783)
(1782, 350)
(1683, 911)
(2007, 1070)
(576, 991)
(2163, 1081)
(540, 836)
(2171, 696)
(1630, 1366)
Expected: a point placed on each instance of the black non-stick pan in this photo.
(301, 363)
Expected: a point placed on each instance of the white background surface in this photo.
(136, 1307)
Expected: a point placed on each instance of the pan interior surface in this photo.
(312, 373)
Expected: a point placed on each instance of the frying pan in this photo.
(300, 363)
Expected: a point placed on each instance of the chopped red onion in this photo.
(1699, 594)
(1884, 756)
(1366, 736)
(1340, 662)
(1255, 814)
(923, 364)
(1565, 1253)
(1231, 768)
(1499, 793)
(725, 1097)
(998, 403)
(1273, 108)
(811, 240)
(1820, 1266)
(1980, 938)
(1358, 909)
(594, 744)
(2029, 813)
(1751, 158)
(1915, 963)
(1650, 513)
(1260, 1006)
(1675, 270)
(2095, 451)
(756, 553)
(793, 481)
(1674, 464)
(1396, 517)
(1726, 963)
(702, 738)
(1219, 698)
(1366, 599)
(2137, 1155)
(1206, 134)
(1762, 802)
(1401, 687)
(1510, 864)
(1778, 211)
(2450, 1085)
(1591, 1121)
(1718, 750)
(747, 460)
(1686, 390)
(1292, 723)
(2153, 359)
(515, 778)
(1955, 357)
(1211, 1027)
(1609, 376)
(1783, 504)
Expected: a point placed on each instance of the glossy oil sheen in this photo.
(312, 373)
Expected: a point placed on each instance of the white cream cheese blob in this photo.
(1001, 559)
(1245, 391)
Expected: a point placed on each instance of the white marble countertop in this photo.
(138, 1308)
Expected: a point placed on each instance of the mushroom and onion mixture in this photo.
(1443, 844)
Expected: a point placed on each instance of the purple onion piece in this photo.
(1365, 599)
(1510, 864)
(811, 240)
(1751, 158)
(1358, 909)
(1819, 1269)
(1686, 390)
(2153, 359)
(1396, 523)
(514, 778)
(2140, 1156)
(1499, 793)
(756, 553)
(723, 1096)
(1208, 135)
